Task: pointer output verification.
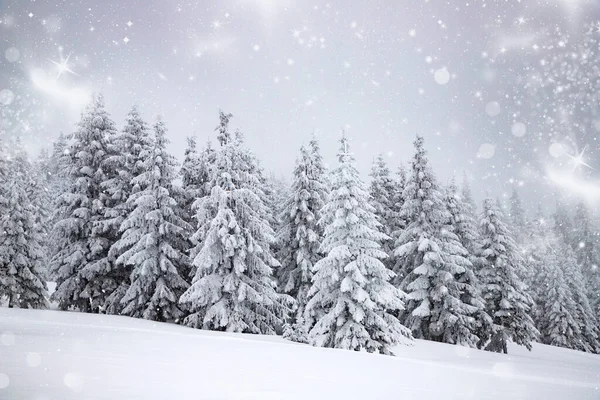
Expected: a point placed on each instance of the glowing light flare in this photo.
(575, 185)
(74, 97)
(578, 160)
(63, 66)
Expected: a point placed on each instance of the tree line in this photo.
(218, 243)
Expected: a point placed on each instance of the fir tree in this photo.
(21, 239)
(563, 224)
(195, 175)
(127, 162)
(397, 202)
(430, 261)
(233, 289)
(586, 246)
(381, 195)
(300, 236)
(507, 301)
(467, 196)
(351, 299)
(462, 224)
(589, 340)
(558, 326)
(154, 236)
(80, 264)
(517, 214)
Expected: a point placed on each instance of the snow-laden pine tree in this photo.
(21, 238)
(398, 224)
(563, 224)
(352, 300)
(125, 163)
(430, 261)
(506, 297)
(381, 195)
(586, 243)
(516, 212)
(195, 175)
(462, 224)
(300, 237)
(558, 325)
(38, 191)
(80, 263)
(467, 196)
(540, 242)
(154, 237)
(233, 287)
(589, 340)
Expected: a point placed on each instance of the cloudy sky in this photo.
(456, 72)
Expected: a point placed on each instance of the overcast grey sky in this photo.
(382, 70)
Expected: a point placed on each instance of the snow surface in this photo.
(47, 355)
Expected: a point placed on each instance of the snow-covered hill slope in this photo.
(51, 355)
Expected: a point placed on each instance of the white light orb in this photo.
(492, 108)
(486, 151)
(441, 76)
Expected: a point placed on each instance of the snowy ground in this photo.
(48, 355)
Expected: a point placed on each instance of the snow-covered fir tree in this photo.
(352, 301)
(195, 175)
(586, 243)
(21, 237)
(516, 211)
(233, 287)
(80, 264)
(300, 237)
(589, 339)
(430, 261)
(154, 237)
(382, 195)
(126, 163)
(462, 224)
(467, 196)
(398, 223)
(539, 244)
(563, 224)
(506, 297)
(558, 325)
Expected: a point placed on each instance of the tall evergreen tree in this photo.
(589, 340)
(126, 163)
(507, 300)
(154, 237)
(381, 195)
(462, 224)
(397, 202)
(558, 325)
(351, 300)
(300, 236)
(430, 262)
(467, 195)
(195, 174)
(563, 224)
(585, 242)
(517, 214)
(80, 264)
(233, 289)
(21, 239)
